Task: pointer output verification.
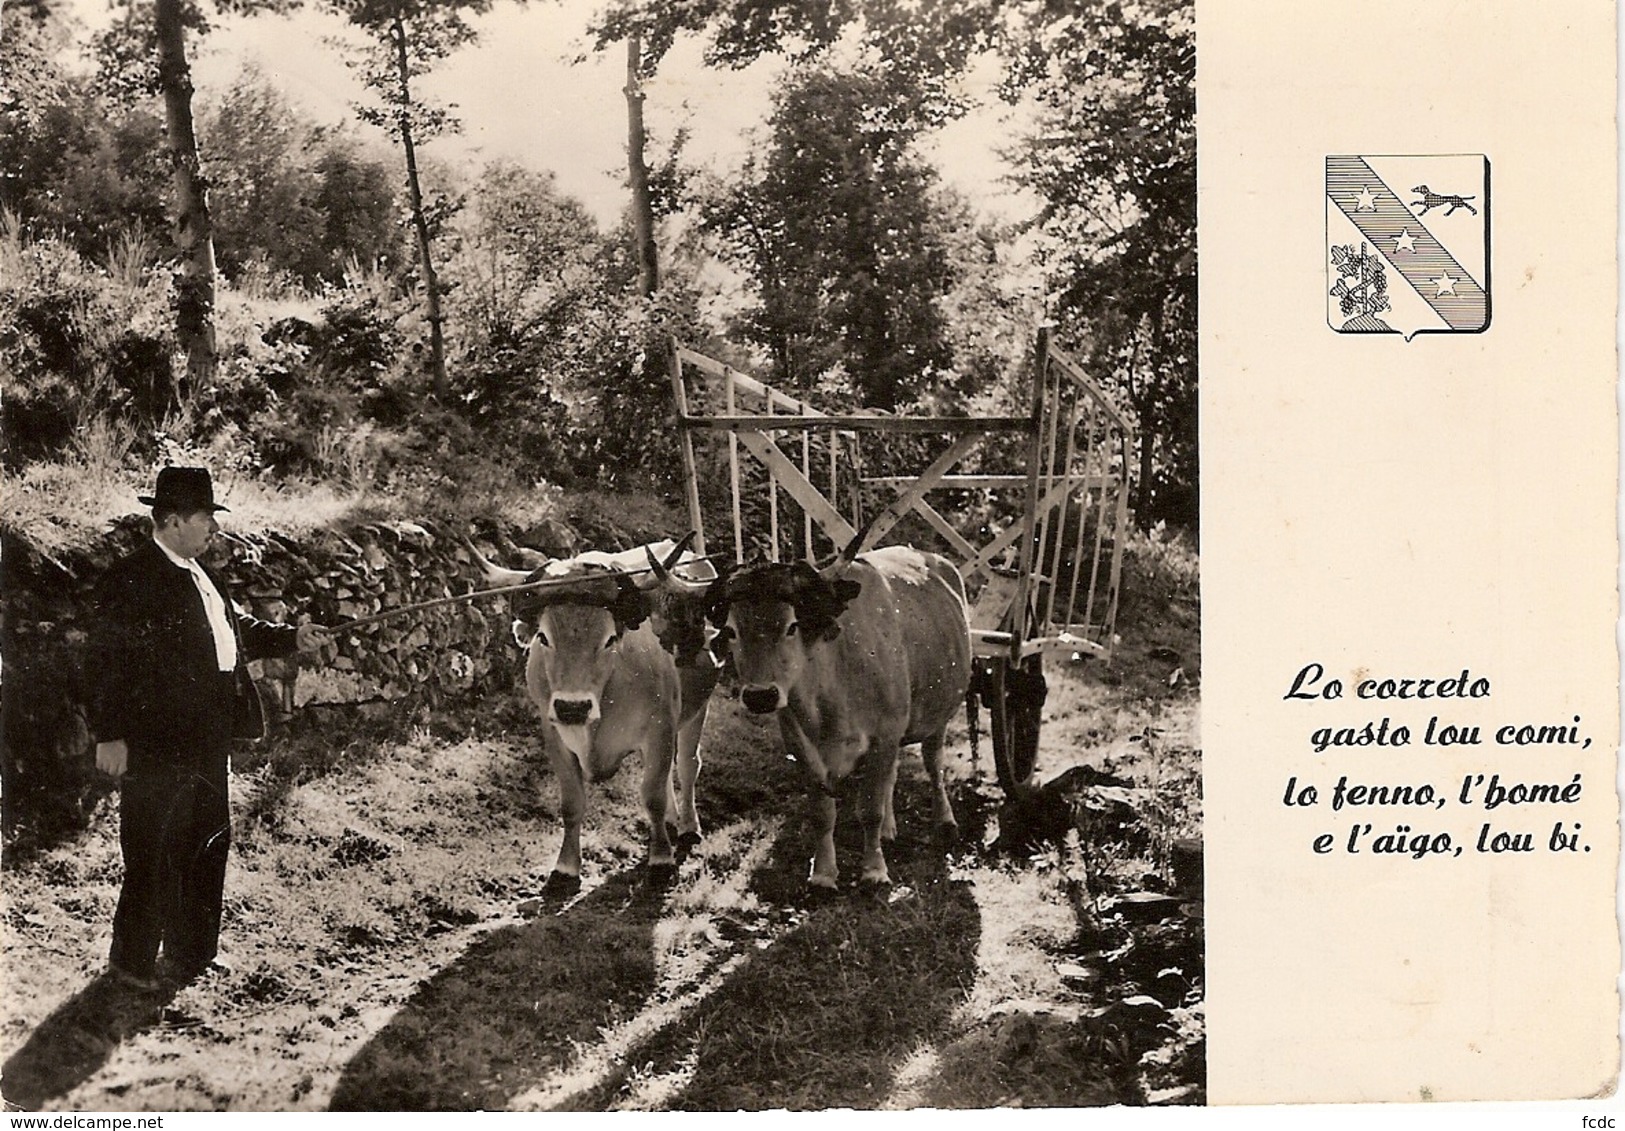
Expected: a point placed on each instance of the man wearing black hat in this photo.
(173, 691)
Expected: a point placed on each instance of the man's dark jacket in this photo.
(158, 684)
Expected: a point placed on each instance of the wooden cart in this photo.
(1032, 507)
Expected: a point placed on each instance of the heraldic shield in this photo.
(1408, 244)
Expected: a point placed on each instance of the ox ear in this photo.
(631, 607)
(841, 593)
(721, 643)
(715, 597)
(524, 633)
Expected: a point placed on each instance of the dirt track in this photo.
(389, 951)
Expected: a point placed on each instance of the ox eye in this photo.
(541, 638)
(793, 628)
(614, 639)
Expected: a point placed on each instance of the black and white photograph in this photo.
(605, 555)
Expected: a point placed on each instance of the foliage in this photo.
(739, 30)
(295, 197)
(80, 167)
(408, 37)
(80, 346)
(30, 75)
(1362, 282)
(529, 257)
(838, 225)
(562, 365)
(854, 273)
(425, 33)
(1114, 157)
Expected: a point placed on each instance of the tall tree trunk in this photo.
(194, 232)
(643, 219)
(420, 222)
(1148, 426)
(1142, 489)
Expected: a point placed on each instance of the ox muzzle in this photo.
(762, 700)
(572, 712)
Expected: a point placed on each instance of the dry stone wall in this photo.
(457, 652)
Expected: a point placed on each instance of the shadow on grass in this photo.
(826, 1016)
(78, 1038)
(513, 1008)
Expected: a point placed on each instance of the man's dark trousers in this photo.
(175, 833)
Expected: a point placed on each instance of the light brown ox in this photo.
(603, 671)
(857, 661)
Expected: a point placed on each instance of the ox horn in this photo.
(662, 571)
(843, 561)
(494, 574)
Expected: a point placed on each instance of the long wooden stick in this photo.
(545, 583)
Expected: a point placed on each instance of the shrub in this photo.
(79, 345)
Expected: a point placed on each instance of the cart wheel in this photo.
(1014, 696)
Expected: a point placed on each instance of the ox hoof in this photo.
(820, 895)
(659, 877)
(947, 832)
(560, 886)
(682, 843)
(876, 890)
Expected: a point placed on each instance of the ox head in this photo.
(676, 602)
(572, 631)
(769, 617)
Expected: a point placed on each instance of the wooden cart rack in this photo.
(1033, 508)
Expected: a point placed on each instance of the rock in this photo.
(1187, 866)
(1142, 906)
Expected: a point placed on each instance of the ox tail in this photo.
(973, 722)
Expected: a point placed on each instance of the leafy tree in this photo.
(355, 197)
(838, 223)
(289, 194)
(262, 189)
(193, 231)
(1113, 156)
(90, 171)
(30, 75)
(527, 254)
(146, 53)
(740, 30)
(408, 38)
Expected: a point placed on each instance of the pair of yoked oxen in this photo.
(857, 659)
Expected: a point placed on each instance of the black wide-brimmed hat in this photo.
(184, 490)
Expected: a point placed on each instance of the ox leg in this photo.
(824, 873)
(887, 785)
(657, 771)
(684, 774)
(566, 877)
(942, 813)
(878, 781)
